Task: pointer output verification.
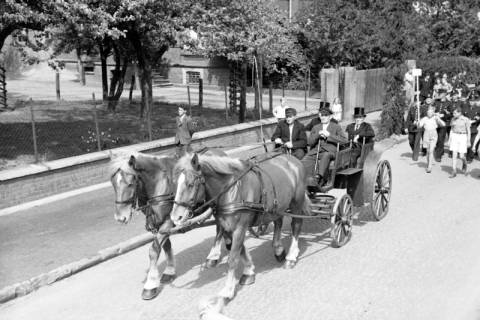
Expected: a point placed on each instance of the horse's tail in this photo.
(307, 206)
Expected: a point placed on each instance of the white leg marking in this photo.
(293, 251)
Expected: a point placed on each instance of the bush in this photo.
(394, 106)
(452, 66)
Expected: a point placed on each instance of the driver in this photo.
(323, 138)
(291, 134)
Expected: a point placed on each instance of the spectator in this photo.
(337, 109)
(408, 86)
(359, 133)
(291, 135)
(426, 87)
(459, 140)
(447, 86)
(430, 123)
(444, 108)
(438, 90)
(279, 111)
(412, 121)
(184, 132)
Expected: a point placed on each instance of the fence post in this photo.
(34, 133)
(57, 84)
(189, 101)
(200, 93)
(226, 101)
(95, 118)
(149, 119)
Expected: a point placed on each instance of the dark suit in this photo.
(473, 113)
(412, 116)
(445, 109)
(298, 138)
(183, 135)
(327, 148)
(364, 132)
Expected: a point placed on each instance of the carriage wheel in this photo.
(341, 231)
(382, 190)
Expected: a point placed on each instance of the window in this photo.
(193, 76)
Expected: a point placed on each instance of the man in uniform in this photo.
(291, 134)
(444, 109)
(359, 132)
(412, 121)
(323, 138)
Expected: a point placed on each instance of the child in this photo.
(430, 123)
(459, 140)
(337, 109)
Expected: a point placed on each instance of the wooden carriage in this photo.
(349, 186)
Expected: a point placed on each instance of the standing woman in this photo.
(438, 89)
(459, 140)
(184, 132)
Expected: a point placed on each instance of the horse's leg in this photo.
(151, 286)
(293, 251)
(215, 252)
(238, 237)
(169, 273)
(248, 276)
(278, 248)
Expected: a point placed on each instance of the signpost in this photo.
(417, 73)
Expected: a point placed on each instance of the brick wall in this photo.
(39, 181)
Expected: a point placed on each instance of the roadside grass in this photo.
(68, 128)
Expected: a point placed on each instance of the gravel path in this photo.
(420, 262)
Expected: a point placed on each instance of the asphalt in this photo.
(38, 239)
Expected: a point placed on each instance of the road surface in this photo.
(421, 262)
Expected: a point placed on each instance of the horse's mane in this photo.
(215, 164)
(120, 160)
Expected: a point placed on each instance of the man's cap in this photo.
(290, 112)
(325, 111)
(359, 112)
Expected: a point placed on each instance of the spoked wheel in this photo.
(382, 190)
(342, 221)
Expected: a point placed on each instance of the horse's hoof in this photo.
(211, 263)
(167, 278)
(228, 246)
(289, 264)
(246, 280)
(281, 256)
(149, 294)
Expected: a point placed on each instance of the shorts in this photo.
(458, 142)
(430, 138)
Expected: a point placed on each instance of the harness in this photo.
(231, 208)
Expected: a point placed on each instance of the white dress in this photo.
(337, 111)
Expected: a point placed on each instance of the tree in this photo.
(245, 30)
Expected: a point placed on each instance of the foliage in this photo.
(452, 66)
(394, 106)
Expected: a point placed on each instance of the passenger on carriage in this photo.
(291, 135)
(323, 139)
(315, 121)
(359, 133)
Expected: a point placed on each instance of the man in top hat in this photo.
(323, 139)
(291, 134)
(315, 121)
(359, 132)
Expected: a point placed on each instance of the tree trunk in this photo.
(118, 79)
(104, 51)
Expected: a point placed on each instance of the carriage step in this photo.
(349, 171)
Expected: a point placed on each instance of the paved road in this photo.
(420, 262)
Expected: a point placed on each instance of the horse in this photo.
(144, 183)
(244, 193)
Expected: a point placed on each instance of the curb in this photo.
(25, 287)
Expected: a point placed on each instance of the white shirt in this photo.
(290, 128)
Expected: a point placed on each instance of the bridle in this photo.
(192, 205)
(161, 199)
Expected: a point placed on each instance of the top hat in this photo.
(359, 112)
(290, 112)
(324, 105)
